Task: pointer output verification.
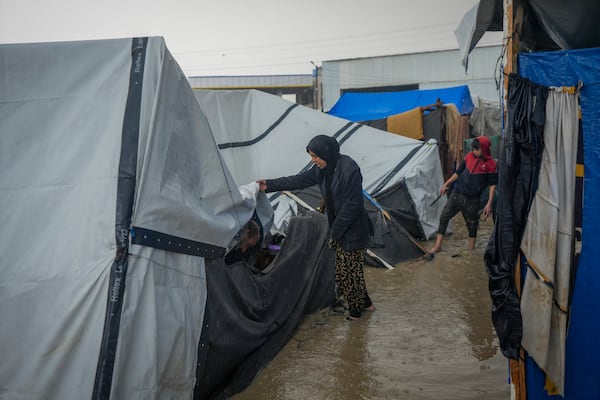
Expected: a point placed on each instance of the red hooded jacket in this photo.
(475, 174)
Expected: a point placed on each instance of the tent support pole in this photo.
(512, 30)
(308, 207)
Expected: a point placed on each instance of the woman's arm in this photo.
(292, 182)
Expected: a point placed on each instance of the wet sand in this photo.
(431, 337)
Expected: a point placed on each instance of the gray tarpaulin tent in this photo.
(116, 208)
(263, 136)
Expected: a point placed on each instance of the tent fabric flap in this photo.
(185, 195)
(409, 124)
(518, 180)
(251, 314)
(546, 25)
(548, 238)
(180, 164)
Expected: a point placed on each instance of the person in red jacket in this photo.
(476, 173)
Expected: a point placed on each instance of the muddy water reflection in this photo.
(431, 337)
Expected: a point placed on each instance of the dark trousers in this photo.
(468, 206)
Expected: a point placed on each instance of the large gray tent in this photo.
(263, 136)
(116, 209)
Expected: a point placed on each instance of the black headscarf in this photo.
(327, 149)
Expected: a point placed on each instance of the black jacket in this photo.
(349, 223)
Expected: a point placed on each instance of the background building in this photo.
(296, 88)
(322, 89)
(413, 71)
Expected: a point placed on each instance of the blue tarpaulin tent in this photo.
(364, 106)
(582, 379)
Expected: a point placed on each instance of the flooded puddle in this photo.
(431, 337)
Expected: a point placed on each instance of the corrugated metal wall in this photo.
(428, 70)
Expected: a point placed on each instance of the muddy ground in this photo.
(431, 337)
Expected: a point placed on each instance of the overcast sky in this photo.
(243, 37)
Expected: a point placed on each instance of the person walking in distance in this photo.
(476, 172)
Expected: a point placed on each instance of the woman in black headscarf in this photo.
(340, 182)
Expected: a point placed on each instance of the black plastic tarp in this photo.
(546, 25)
(517, 182)
(251, 314)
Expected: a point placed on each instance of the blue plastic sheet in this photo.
(360, 107)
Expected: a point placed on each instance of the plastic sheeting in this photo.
(484, 16)
(167, 199)
(59, 151)
(546, 24)
(517, 182)
(264, 136)
(360, 107)
(409, 124)
(449, 129)
(567, 68)
(87, 150)
(548, 240)
(251, 314)
(486, 119)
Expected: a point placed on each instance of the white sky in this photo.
(247, 37)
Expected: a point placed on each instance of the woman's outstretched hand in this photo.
(262, 184)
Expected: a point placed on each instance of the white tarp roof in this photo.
(68, 114)
(264, 136)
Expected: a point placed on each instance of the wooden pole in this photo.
(510, 55)
(512, 29)
(513, 22)
(517, 367)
